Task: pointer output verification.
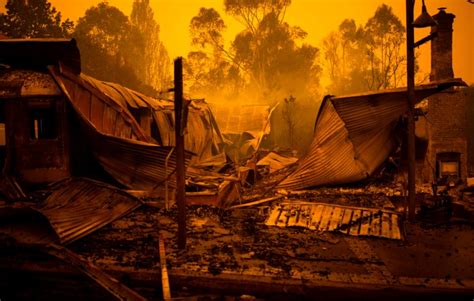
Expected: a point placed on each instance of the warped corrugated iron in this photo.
(121, 147)
(356, 221)
(97, 98)
(353, 136)
(134, 164)
(203, 136)
(246, 125)
(240, 119)
(75, 208)
(105, 114)
(78, 207)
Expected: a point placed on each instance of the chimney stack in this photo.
(442, 46)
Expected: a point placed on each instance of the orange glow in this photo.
(317, 17)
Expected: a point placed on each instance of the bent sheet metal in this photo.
(354, 135)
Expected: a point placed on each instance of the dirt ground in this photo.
(238, 242)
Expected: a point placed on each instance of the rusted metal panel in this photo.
(344, 219)
(202, 137)
(353, 136)
(136, 165)
(78, 207)
(81, 94)
(97, 113)
(75, 208)
(116, 101)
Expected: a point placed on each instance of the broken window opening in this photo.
(42, 122)
(448, 164)
(449, 168)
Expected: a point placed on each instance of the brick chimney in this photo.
(442, 46)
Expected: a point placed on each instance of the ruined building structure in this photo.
(446, 118)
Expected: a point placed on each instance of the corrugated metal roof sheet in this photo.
(344, 219)
(203, 136)
(78, 207)
(74, 209)
(107, 107)
(105, 114)
(249, 123)
(234, 119)
(117, 141)
(134, 164)
(353, 136)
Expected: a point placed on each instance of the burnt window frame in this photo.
(448, 157)
(43, 106)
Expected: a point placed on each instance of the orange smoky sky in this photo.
(316, 17)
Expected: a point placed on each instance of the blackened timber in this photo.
(411, 103)
(180, 168)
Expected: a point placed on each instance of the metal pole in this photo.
(411, 109)
(179, 134)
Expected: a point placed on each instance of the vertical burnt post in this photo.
(179, 135)
(424, 20)
(410, 35)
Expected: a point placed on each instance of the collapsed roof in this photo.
(245, 125)
(91, 95)
(354, 135)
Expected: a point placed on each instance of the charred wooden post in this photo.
(411, 103)
(179, 134)
(424, 20)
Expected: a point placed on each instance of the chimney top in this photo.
(441, 46)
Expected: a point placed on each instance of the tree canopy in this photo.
(33, 19)
(368, 57)
(109, 44)
(118, 49)
(153, 65)
(268, 58)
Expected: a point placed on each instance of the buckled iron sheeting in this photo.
(354, 135)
